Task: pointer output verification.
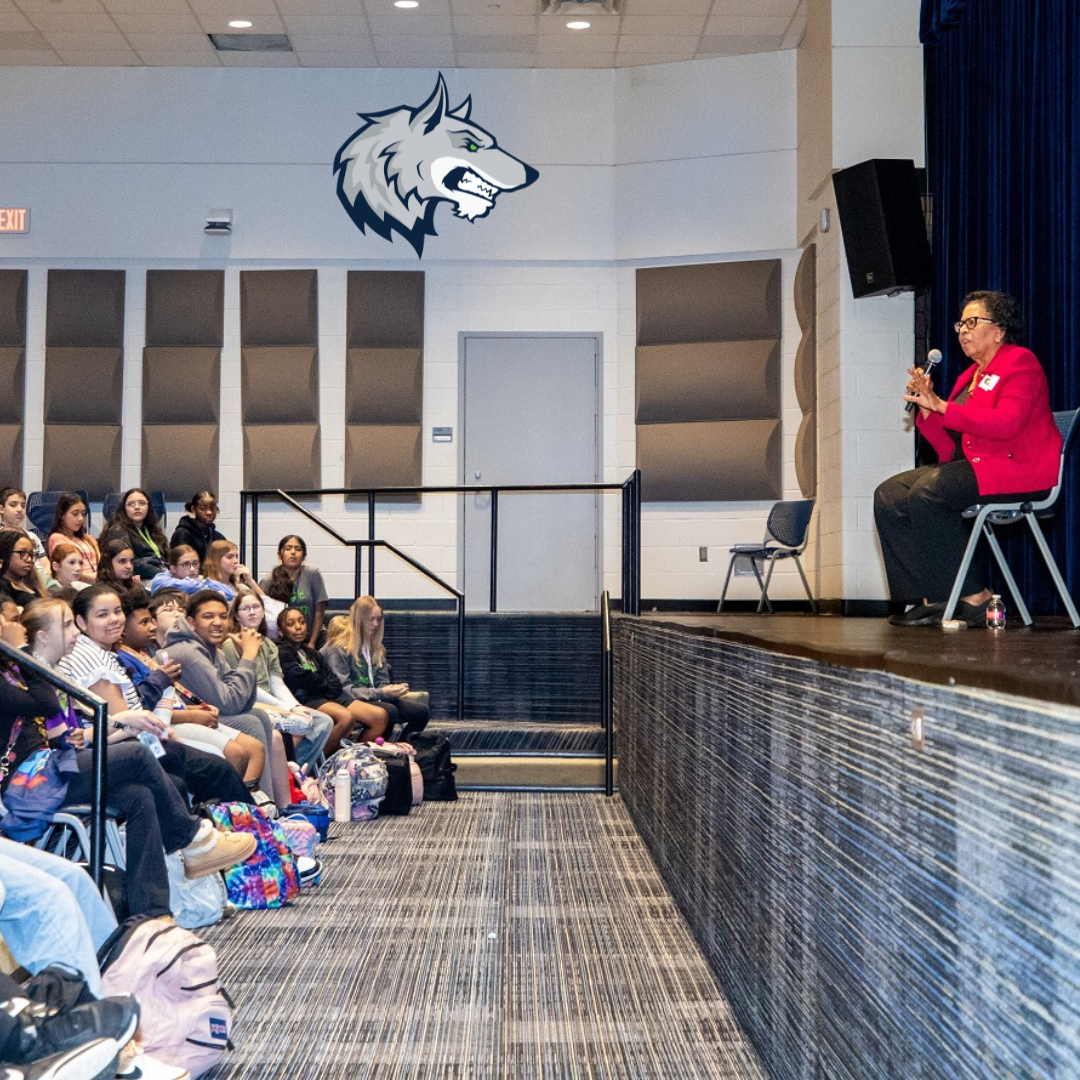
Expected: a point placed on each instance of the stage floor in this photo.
(1041, 661)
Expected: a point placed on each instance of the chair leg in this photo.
(965, 562)
(727, 581)
(1006, 573)
(1055, 573)
(764, 585)
(806, 585)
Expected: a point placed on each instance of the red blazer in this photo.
(1006, 427)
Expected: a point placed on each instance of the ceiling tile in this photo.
(738, 46)
(580, 44)
(385, 9)
(326, 24)
(794, 33)
(624, 60)
(494, 43)
(29, 58)
(154, 58)
(83, 42)
(335, 60)
(781, 9)
(146, 7)
(496, 24)
(410, 25)
(59, 7)
(77, 23)
(496, 59)
(605, 27)
(750, 26)
(666, 7)
(22, 39)
(258, 59)
(243, 9)
(498, 8)
(581, 60)
(13, 22)
(101, 58)
(263, 24)
(359, 44)
(157, 23)
(170, 42)
(663, 24)
(668, 43)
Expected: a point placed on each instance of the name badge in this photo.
(988, 382)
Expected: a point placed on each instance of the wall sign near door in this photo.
(14, 219)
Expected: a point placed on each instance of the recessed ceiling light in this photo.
(406, 3)
(579, 25)
(241, 24)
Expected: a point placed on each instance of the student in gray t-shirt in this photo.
(298, 585)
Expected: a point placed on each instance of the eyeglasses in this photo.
(189, 565)
(134, 504)
(970, 323)
(24, 554)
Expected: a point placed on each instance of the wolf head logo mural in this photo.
(393, 172)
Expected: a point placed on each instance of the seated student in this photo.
(19, 577)
(298, 585)
(194, 642)
(247, 612)
(157, 816)
(66, 565)
(13, 516)
(51, 913)
(183, 574)
(134, 522)
(92, 663)
(310, 678)
(196, 527)
(69, 527)
(195, 722)
(354, 650)
(222, 564)
(117, 568)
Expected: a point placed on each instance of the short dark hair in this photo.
(84, 598)
(136, 600)
(202, 598)
(167, 596)
(1002, 308)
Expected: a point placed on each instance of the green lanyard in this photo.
(141, 530)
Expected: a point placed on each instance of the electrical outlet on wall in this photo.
(703, 554)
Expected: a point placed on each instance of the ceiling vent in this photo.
(251, 42)
(580, 9)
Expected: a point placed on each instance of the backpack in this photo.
(268, 879)
(367, 775)
(433, 757)
(186, 1013)
(194, 903)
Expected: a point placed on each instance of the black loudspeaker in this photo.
(884, 228)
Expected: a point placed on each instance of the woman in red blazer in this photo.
(994, 436)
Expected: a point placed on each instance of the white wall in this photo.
(682, 162)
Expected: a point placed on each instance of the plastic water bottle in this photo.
(342, 795)
(995, 613)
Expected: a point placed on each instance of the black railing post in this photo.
(255, 536)
(99, 795)
(461, 658)
(243, 528)
(635, 546)
(627, 577)
(493, 593)
(358, 569)
(607, 699)
(371, 537)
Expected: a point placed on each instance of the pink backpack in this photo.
(186, 1014)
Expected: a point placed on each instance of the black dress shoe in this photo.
(973, 614)
(919, 615)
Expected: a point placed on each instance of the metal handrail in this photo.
(631, 522)
(607, 695)
(358, 546)
(98, 793)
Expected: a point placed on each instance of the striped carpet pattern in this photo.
(523, 737)
(876, 907)
(508, 935)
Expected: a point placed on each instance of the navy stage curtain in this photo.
(1003, 157)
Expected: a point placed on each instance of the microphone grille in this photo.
(934, 356)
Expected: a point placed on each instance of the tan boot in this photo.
(212, 851)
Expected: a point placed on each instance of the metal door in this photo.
(530, 416)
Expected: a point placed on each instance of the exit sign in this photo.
(14, 219)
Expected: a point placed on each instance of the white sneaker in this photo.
(145, 1066)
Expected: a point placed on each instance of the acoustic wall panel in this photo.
(708, 381)
(279, 382)
(12, 371)
(185, 329)
(84, 357)
(726, 460)
(384, 380)
(806, 372)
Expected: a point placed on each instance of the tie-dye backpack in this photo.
(269, 878)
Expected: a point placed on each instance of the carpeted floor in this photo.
(507, 936)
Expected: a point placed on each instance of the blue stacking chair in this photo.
(157, 504)
(41, 505)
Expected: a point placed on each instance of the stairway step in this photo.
(521, 738)
(529, 773)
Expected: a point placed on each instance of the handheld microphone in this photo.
(933, 358)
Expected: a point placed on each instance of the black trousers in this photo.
(206, 776)
(922, 534)
(157, 819)
(412, 714)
